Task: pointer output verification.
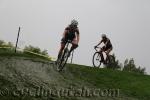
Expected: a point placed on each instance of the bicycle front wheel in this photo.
(63, 60)
(96, 59)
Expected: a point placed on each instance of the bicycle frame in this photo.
(64, 57)
(101, 51)
(67, 44)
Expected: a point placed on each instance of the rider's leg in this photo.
(63, 43)
(101, 54)
(60, 50)
(74, 46)
(107, 52)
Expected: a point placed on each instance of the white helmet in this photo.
(74, 22)
(103, 35)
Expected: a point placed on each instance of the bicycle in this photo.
(98, 56)
(61, 62)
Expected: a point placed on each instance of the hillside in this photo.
(27, 78)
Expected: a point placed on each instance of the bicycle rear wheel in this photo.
(111, 59)
(96, 59)
(63, 60)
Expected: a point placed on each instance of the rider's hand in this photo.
(104, 46)
(75, 42)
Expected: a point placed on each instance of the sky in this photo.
(42, 22)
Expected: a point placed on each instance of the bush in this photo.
(35, 50)
(4, 44)
(114, 64)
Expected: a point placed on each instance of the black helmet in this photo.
(74, 22)
(103, 36)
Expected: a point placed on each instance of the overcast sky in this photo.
(126, 22)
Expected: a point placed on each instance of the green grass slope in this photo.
(34, 78)
(129, 84)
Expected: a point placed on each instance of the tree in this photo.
(140, 70)
(129, 65)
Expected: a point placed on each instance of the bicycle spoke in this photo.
(96, 59)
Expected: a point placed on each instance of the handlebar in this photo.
(96, 48)
(69, 41)
(99, 49)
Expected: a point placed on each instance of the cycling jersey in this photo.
(108, 44)
(71, 33)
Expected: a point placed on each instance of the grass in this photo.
(130, 84)
(11, 52)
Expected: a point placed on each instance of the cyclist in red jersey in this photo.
(70, 33)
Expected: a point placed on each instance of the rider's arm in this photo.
(78, 38)
(99, 43)
(107, 42)
(64, 33)
(78, 35)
